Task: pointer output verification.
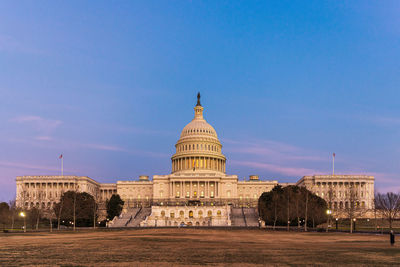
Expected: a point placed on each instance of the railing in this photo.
(234, 202)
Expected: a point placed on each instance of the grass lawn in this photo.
(165, 247)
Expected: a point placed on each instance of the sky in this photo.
(110, 85)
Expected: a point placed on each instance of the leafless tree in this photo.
(352, 208)
(388, 205)
(96, 198)
(275, 198)
(306, 210)
(13, 211)
(58, 209)
(288, 193)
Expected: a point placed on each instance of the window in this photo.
(181, 213)
(172, 215)
(162, 213)
(219, 213)
(209, 213)
(191, 214)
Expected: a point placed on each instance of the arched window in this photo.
(190, 214)
(172, 215)
(200, 214)
(181, 213)
(209, 213)
(162, 213)
(219, 213)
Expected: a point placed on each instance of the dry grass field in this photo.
(186, 247)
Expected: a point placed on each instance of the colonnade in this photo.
(206, 163)
(194, 189)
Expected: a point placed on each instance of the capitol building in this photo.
(198, 191)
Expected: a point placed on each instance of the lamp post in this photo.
(354, 224)
(328, 212)
(22, 214)
(337, 223)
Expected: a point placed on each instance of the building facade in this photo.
(198, 176)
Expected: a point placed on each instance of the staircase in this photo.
(140, 216)
(251, 217)
(237, 218)
(124, 219)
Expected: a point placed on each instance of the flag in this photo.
(60, 157)
(334, 154)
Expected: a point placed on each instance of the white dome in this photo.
(198, 128)
(198, 147)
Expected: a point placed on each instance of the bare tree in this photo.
(13, 211)
(306, 211)
(288, 193)
(58, 209)
(352, 208)
(388, 205)
(275, 198)
(96, 198)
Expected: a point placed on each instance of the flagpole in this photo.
(333, 164)
(62, 166)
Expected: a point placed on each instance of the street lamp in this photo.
(328, 212)
(337, 223)
(22, 214)
(354, 224)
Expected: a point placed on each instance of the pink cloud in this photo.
(290, 171)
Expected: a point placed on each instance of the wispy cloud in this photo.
(273, 168)
(105, 147)
(138, 130)
(25, 166)
(382, 120)
(132, 151)
(274, 150)
(43, 127)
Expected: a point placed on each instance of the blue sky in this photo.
(284, 83)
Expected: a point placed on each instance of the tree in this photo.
(114, 206)
(388, 205)
(75, 208)
(13, 211)
(95, 207)
(280, 205)
(352, 208)
(58, 208)
(4, 214)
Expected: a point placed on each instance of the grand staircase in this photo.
(140, 216)
(244, 217)
(124, 219)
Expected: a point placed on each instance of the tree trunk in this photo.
(305, 215)
(351, 225)
(12, 220)
(275, 217)
(288, 213)
(37, 221)
(74, 210)
(59, 216)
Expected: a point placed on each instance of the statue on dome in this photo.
(198, 99)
